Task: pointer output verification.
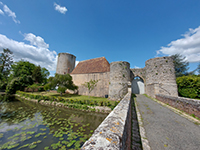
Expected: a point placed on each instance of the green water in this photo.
(27, 125)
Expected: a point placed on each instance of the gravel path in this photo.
(166, 130)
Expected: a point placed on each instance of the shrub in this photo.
(189, 86)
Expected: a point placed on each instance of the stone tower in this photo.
(65, 63)
(160, 77)
(119, 79)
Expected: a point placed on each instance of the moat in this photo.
(27, 125)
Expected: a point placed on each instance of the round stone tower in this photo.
(160, 76)
(65, 63)
(119, 79)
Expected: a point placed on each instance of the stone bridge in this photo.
(121, 128)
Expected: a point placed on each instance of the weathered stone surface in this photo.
(190, 106)
(65, 63)
(114, 132)
(160, 77)
(119, 79)
(101, 90)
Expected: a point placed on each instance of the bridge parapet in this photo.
(190, 106)
(114, 131)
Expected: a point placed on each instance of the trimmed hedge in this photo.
(189, 86)
(69, 102)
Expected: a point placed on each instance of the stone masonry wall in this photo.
(65, 63)
(115, 131)
(160, 73)
(190, 106)
(140, 72)
(119, 79)
(100, 90)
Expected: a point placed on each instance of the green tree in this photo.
(45, 73)
(6, 60)
(47, 87)
(189, 86)
(180, 64)
(22, 68)
(18, 83)
(33, 87)
(90, 85)
(63, 81)
(20, 77)
(37, 75)
(198, 69)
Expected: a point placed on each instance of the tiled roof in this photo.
(95, 65)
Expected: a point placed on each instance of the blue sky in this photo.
(120, 30)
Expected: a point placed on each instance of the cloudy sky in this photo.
(129, 30)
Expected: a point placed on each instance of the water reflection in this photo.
(27, 125)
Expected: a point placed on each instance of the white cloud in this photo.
(76, 63)
(36, 40)
(9, 13)
(188, 46)
(60, 9)
(136, 67)
(1, 12)
(39, 55)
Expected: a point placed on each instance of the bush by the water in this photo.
(189, 86)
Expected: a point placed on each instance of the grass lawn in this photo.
(74, 96)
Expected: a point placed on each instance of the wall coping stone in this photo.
(112, 132)
(182, 99)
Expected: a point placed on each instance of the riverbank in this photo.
(101, 109)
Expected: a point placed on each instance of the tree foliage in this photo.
(6, 60)
(18, 83)
(198, 69)
(180, 64)
(91, 85)
(24, 74)
(45, 73)
(189, 86)
(22, 68)
(37, 74)
(33, 87)
(63, 81)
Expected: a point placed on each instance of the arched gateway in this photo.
(137, 86)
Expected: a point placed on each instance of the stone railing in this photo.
(190, 106)
(115, 131)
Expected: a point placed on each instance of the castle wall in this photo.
(102, 88)
(65, 63)
(160, 77)
(119, 79)
(140, 72)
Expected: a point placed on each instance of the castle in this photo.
(116, 78)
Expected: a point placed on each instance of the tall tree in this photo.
(180, 64)
(63, 81)
(6, 60)
(45, 73)
(22, 68)
(37, 75)
(198, 69)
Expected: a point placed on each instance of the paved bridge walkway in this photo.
(166, 130)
